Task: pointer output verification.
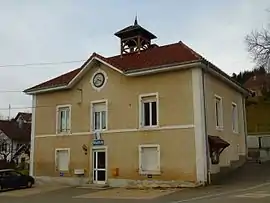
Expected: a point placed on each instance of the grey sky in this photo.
(67, 30)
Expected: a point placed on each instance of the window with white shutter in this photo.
(149, 110)
(63, 119)
(149, 159)
(234, 118)
(62, 157)
(99, 116)
(218, 113)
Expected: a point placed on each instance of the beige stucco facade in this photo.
(215, 87)
(175, 133)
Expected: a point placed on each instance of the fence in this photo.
(259, 147)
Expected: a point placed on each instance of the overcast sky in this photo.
(67, 30)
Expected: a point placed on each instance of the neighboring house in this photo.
(151, 113)
(258, 118)
(15, 138)
(259, 83)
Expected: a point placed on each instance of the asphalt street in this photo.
(247, 185)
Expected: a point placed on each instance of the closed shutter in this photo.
(149, 159)
(63, 160)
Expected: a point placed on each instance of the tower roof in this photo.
(134, 30)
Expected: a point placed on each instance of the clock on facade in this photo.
(98, 80)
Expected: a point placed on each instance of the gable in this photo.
(152, 60)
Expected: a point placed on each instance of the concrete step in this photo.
(94, 186)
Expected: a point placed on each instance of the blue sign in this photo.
(98, 142)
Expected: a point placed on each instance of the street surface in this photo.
(247, 185)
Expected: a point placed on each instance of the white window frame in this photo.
(92, 124)
(157, 172)
(220, 127)
(141, 114)
(236, 125)
(56, 158)
(58, 132)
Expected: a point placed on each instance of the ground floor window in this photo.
(149, 159)
(62, 157)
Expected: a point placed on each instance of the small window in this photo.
(149, 111)
(62, 159)
(149, 159)
(99, 116)
(4, 147)
(234, 118)
(63, 119)
(218, 112)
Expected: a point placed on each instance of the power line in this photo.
(11, 91)
(39, 64)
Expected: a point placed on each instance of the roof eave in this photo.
(164, 68)
(43, 90)
(211, 68)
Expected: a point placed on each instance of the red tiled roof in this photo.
(149, 58)
(13, 131)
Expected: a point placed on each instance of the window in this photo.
(99, 115)
(62, 159)
(149, 159)
(149, 110)
(218, 112)
(234, 118)
(63, 119)
(4, 147)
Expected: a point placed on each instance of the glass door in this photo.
(99, 166)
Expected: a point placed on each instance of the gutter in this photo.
(164, 68)
(207, 150)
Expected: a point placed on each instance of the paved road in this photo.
(250, 184)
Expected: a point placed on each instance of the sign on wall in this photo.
(97, 140)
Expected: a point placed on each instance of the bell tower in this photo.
(134, 38)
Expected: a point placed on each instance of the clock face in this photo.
(98, 80)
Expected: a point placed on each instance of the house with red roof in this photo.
(158, 114)
(15, 138)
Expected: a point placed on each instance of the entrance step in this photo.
(94, 186)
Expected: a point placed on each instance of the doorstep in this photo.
(94, 186)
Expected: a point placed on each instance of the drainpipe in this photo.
(205, 127)
(245, 123)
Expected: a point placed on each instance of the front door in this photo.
(99, 166)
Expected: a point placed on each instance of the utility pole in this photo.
(9, 109)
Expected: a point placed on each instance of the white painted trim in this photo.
(141, 97)
(100, 148)
(165, 68)
(57, 119)
(105, 79)
(55, 157)
(92, 114)
(140, 159)
(46, 90)
(86, 67)
(171, 127)
(33, 131)
(199, 121)
(236, 131)
(219, 128)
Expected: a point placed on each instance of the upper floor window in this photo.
(218, 112)
(234, 118)
(4, 147)
(99, 115)
(63, 116)
(149, 110)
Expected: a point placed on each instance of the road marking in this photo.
(222, 193)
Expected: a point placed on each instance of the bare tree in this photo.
(258, 44)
